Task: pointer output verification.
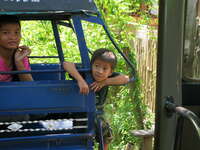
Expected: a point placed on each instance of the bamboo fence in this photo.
(145, 46)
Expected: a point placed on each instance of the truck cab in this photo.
(59, 116)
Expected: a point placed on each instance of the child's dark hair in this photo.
(9, 19)
(105, 55)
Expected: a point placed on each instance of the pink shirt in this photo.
(4, 67)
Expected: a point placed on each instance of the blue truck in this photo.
(60, 117)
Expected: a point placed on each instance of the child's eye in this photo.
(17, 33)
(105, 68)
(5, 32)
(96, 65)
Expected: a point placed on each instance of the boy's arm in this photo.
(71, 69)
(19, 56)
(119, 79)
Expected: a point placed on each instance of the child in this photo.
(103, 62)
(12, 56)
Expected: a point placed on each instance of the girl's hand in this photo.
(22, 51)
(96, 86)
(83, 86)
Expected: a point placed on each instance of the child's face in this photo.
(10, 36)
(101, 70)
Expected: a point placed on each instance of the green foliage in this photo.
(125, 109)
(40, 38)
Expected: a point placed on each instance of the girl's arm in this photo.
(19, 62)
(71, 69)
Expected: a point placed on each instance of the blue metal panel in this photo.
(42, 95)
(48, 142)
(81, 41)
(58, 42)
(47, 76)
(45, 146)
(68, 137)
(86, 64)
(93, 19)
(48, 147)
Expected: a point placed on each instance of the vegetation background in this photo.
(125, 110)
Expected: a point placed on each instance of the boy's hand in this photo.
(71, 69)
(22, 52)
(96, 86)
(83, 86)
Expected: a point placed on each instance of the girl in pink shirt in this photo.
(5, 68)
(12, 56)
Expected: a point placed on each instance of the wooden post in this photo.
(147, 138)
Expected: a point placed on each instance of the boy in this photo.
(103, 62)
